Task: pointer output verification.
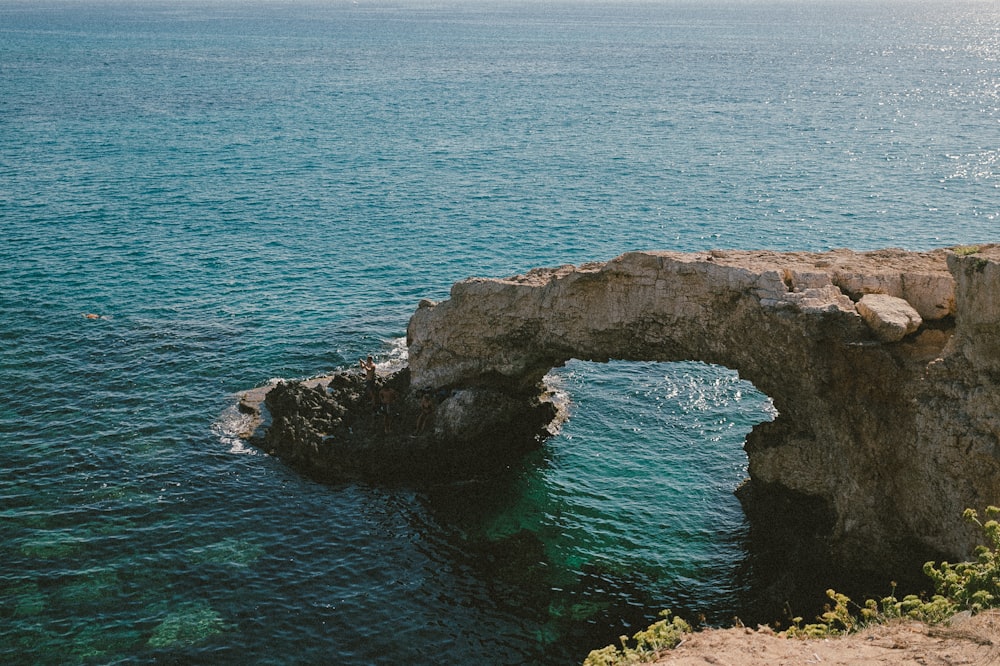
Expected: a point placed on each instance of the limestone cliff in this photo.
(884, 368)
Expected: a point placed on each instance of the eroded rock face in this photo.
(891, 420)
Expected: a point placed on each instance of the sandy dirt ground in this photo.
(967, 640)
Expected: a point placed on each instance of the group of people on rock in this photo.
(384, 398)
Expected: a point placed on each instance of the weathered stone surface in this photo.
(890, 318)
(977, 278)
(892, 439)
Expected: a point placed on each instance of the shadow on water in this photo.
(567, 604)
(629, 511)
(575, 604)
(788, 568)
(526, 538)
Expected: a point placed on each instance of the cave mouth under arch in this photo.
(643, 475)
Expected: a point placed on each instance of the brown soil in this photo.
(972, 640)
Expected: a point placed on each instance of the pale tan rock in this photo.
(974, 641)
(931, 295)
(978, 289)
(889, 317)
(895, 439)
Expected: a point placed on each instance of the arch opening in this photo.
(643, 474)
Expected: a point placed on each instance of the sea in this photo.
(198, 197)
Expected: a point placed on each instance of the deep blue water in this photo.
(250, 190)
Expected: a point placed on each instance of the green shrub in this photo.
(966, 586)
(649, 644)
(975, 585)
(972, 586)
(834, 621)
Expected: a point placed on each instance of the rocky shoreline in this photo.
(884, 368)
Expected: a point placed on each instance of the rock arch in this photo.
(884, 368)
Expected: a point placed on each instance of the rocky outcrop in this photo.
(328, 428)
(884, 368)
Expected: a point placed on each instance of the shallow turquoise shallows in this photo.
(239, 191)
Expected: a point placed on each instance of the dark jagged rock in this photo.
(327, 429)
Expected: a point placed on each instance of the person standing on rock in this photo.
(388, 396)
(426, 411)
(369, 368)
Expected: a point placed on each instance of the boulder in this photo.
(890, 318)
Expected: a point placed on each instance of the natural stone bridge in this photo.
(884, 368)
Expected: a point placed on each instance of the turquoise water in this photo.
(249, 190)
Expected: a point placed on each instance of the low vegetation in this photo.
(966, 586)
(649, 643)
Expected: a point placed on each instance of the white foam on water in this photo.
(395, 357)
(229, 427)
